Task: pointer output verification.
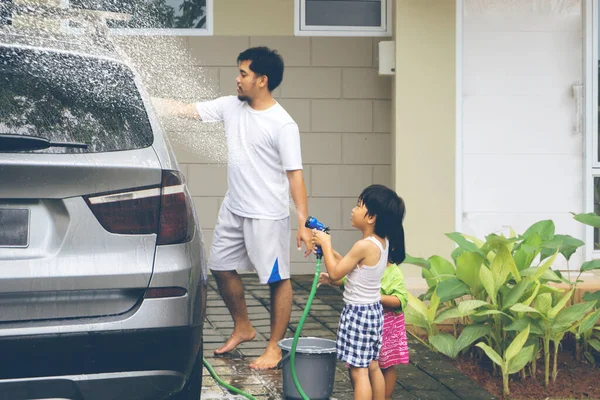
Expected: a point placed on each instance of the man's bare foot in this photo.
(268, 360)
(235, 340)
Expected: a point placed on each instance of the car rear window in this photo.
(64, 97)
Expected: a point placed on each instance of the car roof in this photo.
(61, 44)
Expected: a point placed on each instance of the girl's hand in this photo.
(320, 238)
(324, 279)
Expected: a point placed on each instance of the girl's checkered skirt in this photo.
(359, 334)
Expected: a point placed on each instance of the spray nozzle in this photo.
(313, 223)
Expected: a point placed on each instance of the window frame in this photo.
(302, 29)
(591, 162)
(208, 31)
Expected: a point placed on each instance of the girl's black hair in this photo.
(388, 207)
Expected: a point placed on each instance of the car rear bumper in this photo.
(142, 385)
(136, 364)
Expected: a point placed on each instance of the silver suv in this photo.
(102, 263)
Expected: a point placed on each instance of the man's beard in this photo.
(241, 97)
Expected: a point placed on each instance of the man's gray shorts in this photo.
(247, 244)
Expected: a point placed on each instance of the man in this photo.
(264, 165)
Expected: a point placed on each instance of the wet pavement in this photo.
(428, 376)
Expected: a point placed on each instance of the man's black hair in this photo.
(264, 61)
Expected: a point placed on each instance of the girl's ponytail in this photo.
(397, 252)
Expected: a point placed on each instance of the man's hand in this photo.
(174, 108)
(304, 235)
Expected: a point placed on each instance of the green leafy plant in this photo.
(514, 359)
(498, 287)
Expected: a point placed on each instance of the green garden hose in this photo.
(226, 385)
(235, 390)
(313, 290)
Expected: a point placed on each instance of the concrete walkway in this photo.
(428, 376)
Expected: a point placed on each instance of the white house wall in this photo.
(522, 160)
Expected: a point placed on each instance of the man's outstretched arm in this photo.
(175, 108)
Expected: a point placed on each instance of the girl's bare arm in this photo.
(391, 302)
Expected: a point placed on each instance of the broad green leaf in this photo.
(515, 294)
(533, 295)
(417, 305)
(550, 289)
(502, 265)
(457, 252)
(451, 289)
(433, 307)
(467, 306)
(523, 308)
(490, 353)
(475, 240)
(513, 235)
(444, 343)
(561, 304)
(520, 324)
(503, 291)
(521, 359)
(590, 357)
(543, 303)
(412, 317)
(421, 262)
(545, 267)
(427, 295)
(463, 243)
(490, 312)
(595, 343)
(570, 315)
(528, 250)
(588, 322)
(449, 313)
(551, 276)
(595, 296)
(467, 269)
(487, 280)
(464, 309)
(544, 228)
(590, 265)
(565, 244)
(469, 335)
(588, 219)
(493, 240)
(517, 344)
(439, 269)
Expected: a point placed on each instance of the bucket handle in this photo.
(280, 363)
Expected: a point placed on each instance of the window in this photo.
(63, 97)
(343, 17)
(153, 17)
(6, 12)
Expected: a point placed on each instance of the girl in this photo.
(394, 345)
(378, 215)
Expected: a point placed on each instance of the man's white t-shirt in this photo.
(262, 146)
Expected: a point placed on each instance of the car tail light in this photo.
(135, 212)
(166, 210)
(176, 211)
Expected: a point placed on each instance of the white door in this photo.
(522, 156)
